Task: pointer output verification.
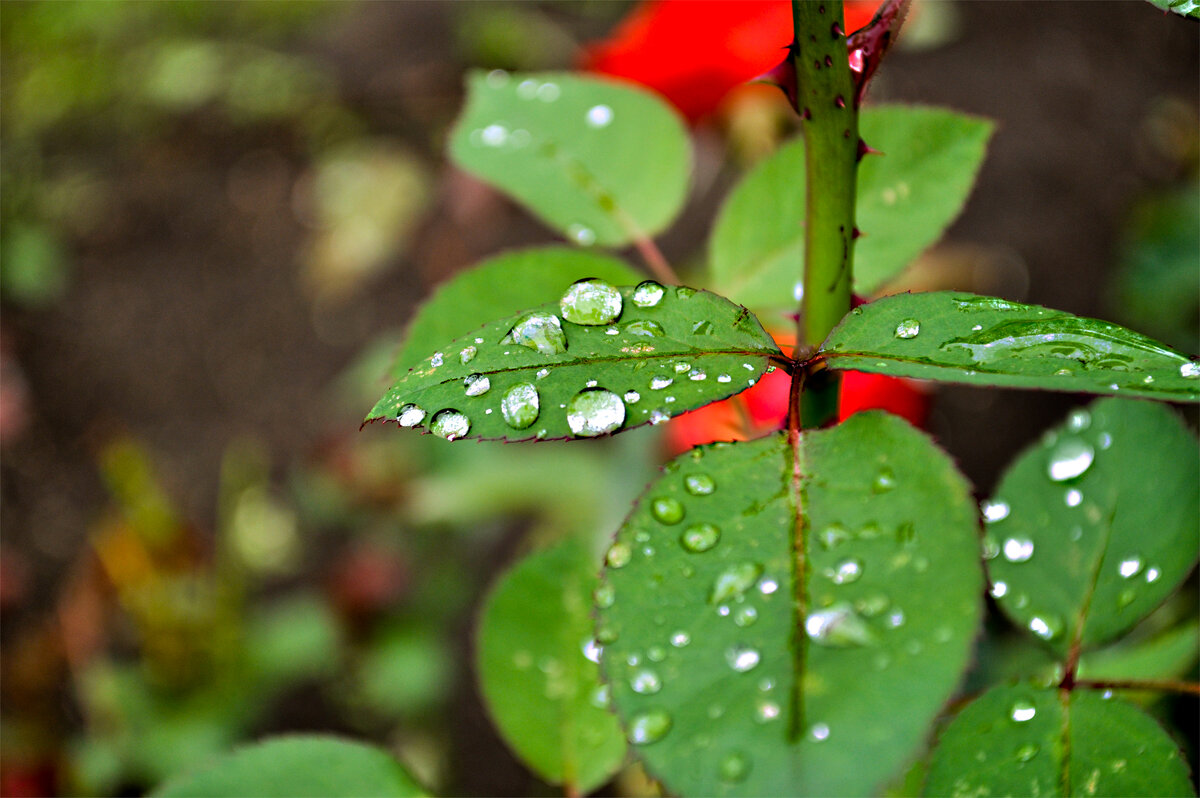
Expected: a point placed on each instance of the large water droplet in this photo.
(599, 116)
(909, 328)
(659, 382)
(649, 727)
(846, 571)
(476, 384)
(1070, 458)
(648, 294)
(595, 411)
(700, 537)
(734, 581)
(449, 424)
(1190, 371)
(645, 328)
(590, 302)
(838, 626)
(1022, 711)
(540, 331)
(699, 484)
(520, 405)
(742, 658)
(410, 415)
(667, 510)
(645, 682)
(1017, 549)
(994, 510)
(618, 555)
(734, 767)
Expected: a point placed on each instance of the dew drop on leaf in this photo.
(659, 382)
(1027, 752)
(644, 328)
(449, 424)
(846, 571)
(1070, 459)
(467, 354)
(680, 639)
(994, 511)
(476, 384)
(697, 375)
(734, 767)
(1017, 549)
(538, 331)
(645, 682)
(700, 537)
(734, 581)
(1190, 370)
(745, 616)
(1073, 498)
(1130, 567)
(632, 397)
(683, 292)
(885, 480)
(742, 658)
(599, 116)
(520, 405)
(604, 595)
(436, 359)
(833, 536)
(1079, 420)
(999, 590)
(1022, 711)
(819, 731)
(649, 727)
(591, 303)
(410, 415)
(595, 412)
(648, 294)
(618, 555)
(591, 649)
(667, 510)
(766, 711)
(1046, 626)
(909, 328)
(838, 626)
(699, 484)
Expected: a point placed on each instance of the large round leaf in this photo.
(731, 682)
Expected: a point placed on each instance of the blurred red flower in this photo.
(694, 52)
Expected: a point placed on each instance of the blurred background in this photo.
(216, 219)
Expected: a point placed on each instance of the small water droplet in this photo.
(494, 135)
(1130, 567)
(590, 302)
(645, 682)
(1126, 597)
(582, 235)
(1027, 752)
(734, 767)
(659, 382)
(599, 116)
(476, 384)
(1046, 626)
(991, 549)
(595, 411)
(745, 616)
(766, 711)
(467, 354)
(449, 424)
(768, 586)
(618, 555)
(1022, 711)
(1073, 498)
(697, 375)
(833, 536)
(819, 731)
(436, 359)
(648, 294)
(909, 328)
(1152, 574)
(700, 537)
(667, 510)
(724, 378)
(659, 417)
(846, 571)
(644, 328)
(895, 619)
(682, 367)
(1070, 458)
(1018, 549)
(548, 92)
(604, 596)
(999, 589)
(742, 658)
(1079, 420)
(734, 581)
(884, 481)
(592, 649)
(649, 727)
(838, 626)
(683, 292)
(680, 639)
(538, 331)
(994, 510)
(1190, 371)
(410, 415)
(699, 484)
(1104, 440)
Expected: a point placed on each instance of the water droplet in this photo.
(599, 116)
(548, 92)
(520, 405)
(847, 571)
(467, 354)
(1130, 567)
(410, 415)
(595, 412)
(838, 626)
(476, 384)
(819, 731)
(1189, 371)
(667, 510)
(895, 619)
(1070, 459)
(604, 596)
(436, 359)
(449, 424)
(994, 510)
(699, 484)
(745, 616)
(592, 649)
(833, 536)
(1018, 549)
(645, 682)
(618, 555)
(734, 581)
(680, 639)
(742, 658)
(539, 331)
(497, 78)
(659, 417)
(1079, 420)
(649, 727)
(999, 590)
(766, 711)
(656, 653)
(909, 328)
(648, 294)
(527, 89)
(659, 382)
(1073, 498)
(645, 328)
(682, 367)
(734, 767)
(1022, 711)
(582, 235)
(700, 538)
(885, 480)
(1027, 752)
(697, 375)
(1046, 626)
(600, 697)
(872, 605)
(1152, 574)
(724, 378)
(494, 135)
(683, 292)
(591, 303)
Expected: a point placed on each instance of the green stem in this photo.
(829, 124)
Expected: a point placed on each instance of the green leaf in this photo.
(537, 668)
(1025, 741)
(1090, 529)
(658, 352)
(602, 162)
(1170, 655)
(1187, 8)
(499, 287)
(978, 340)
(906, 198)
(297, 767)
(698, 615)
(292, 639)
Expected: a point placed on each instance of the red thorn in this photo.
(857, 234)
(782, 76)
(866, 149)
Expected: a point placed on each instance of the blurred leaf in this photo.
(906, 198)
(405, 671)
(1086, 532)
(536, 660)
(501, 286)
(513, 36)
(292, 639)
(1024, 741)
(601, 162)
(976, 340)
(297, 767)
(33, 268)
(698, 611)
(673, 349)
(1171, 655)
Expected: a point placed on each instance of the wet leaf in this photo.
(1026, 741)
(906, 198)
(297, 767)
(697, 610)
(1092, 528)
(600, 161)
(498, 287)
(639, 355)
(1170, 655)
(976, 340)
(536, 660)
(1187, 8)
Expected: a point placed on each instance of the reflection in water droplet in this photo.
(680, 639)
(599, 116)
(649, 727)
(994, 510)
(1079, 420)
(819, 731)
(410, 416)
(833, 535)
(1070, 458)
(595, 412)
(699, 484)
(618, 555)
(645, 682)
(467, 354)
(1047, 626)
(700, 537)
(1027, 752)
(734, 767)
(742, 658)
(1073, 498)
(1130, 566)
(745, 616)
(847, 571)
(838, 626)
(1190, 371)
(592, 649)
(632, 397)
(667, 510)
(999, 589)
(644, 328)
(768, 586)
(909, 328)
(1018, 549)
(1152, 574)
(591, 303)
(449, 424)
(1022, 711)
(734, 581)
(476, 384)
(520, 405)
(648, 294)
(659, 382)
(604, 596)
(539, 331)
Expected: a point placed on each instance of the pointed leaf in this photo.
(499, 287)
(976, 340)
(906, 198)
(1026, 741)
(1090, 529)
(297, 767)
(600, 161)
(700, 621)
(1170, 655)
(537, 668)
(666, 350)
